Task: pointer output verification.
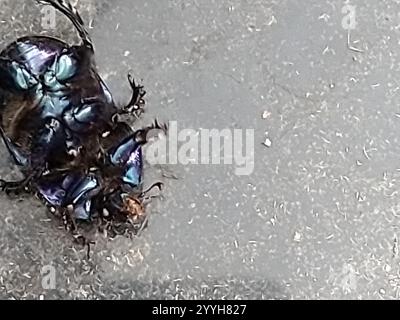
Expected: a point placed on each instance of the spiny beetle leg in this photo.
(136, 104)
(16, 187)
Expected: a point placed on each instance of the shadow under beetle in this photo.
(60, 124)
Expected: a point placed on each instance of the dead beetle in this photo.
(60, 124)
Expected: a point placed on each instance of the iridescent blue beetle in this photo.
(53, 103)
(112, 191)
(60, 124)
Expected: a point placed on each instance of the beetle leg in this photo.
(68, 223)
(73, 15)
(17, 186)
(71, 226)
(70, 212)
(19, 158)
(64, 217)
(136, 104)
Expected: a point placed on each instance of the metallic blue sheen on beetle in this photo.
(115, 182)
(61, 126)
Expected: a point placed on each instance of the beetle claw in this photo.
(136, 104)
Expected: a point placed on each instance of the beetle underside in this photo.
(62, 128)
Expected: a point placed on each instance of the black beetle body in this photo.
(114, 190)
(58, 121)
(53, 102)
(51, 96)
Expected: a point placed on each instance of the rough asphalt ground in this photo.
(318, 217)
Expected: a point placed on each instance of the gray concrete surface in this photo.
(319, 216)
